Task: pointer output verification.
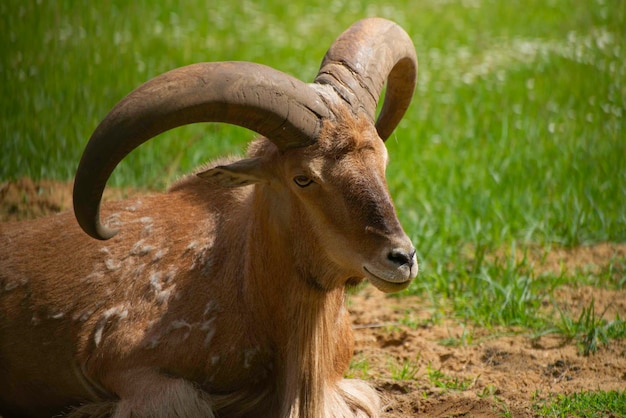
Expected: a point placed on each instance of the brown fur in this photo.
(211, 300)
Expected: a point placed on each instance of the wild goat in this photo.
(224, 296)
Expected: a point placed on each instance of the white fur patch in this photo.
(114, 221)
(14, 284)
(115, 312)
(93, 277)
(158, 256)
(141, 248)
(133, 208)
(249, 355)
(180, 324)
(161, 284)
(112, 264)
(58, 315)
(200, 249)
(209, 328)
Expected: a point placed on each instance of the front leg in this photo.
(313, 388)
(353, 398)
(350, 397)
(145, 393)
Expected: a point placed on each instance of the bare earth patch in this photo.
(498, 372)
(416, 372)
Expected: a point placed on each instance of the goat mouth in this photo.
(385, 285)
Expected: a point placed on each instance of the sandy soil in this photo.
(499, 372)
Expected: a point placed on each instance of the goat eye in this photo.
(302, 181)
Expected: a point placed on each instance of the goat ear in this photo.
(237, 174)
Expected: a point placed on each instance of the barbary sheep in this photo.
(224, 296)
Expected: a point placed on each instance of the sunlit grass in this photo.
(590, 329)
(441, 380)
(583, 404)
(359, 368)
(405, 370)
(516, 131)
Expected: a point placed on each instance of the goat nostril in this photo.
(401, 257)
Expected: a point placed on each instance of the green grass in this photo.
(443, 381)
(584, 404)
(359, 368)
(407, 370)
(516, 131)
(515, 137)
(590, 330)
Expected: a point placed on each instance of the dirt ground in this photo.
(500, 373)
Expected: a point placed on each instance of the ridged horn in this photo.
(284, 109)
(361, 59)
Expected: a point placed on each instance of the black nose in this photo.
(402, 257)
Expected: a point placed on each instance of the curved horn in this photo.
(358, 63)
(282, 108)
